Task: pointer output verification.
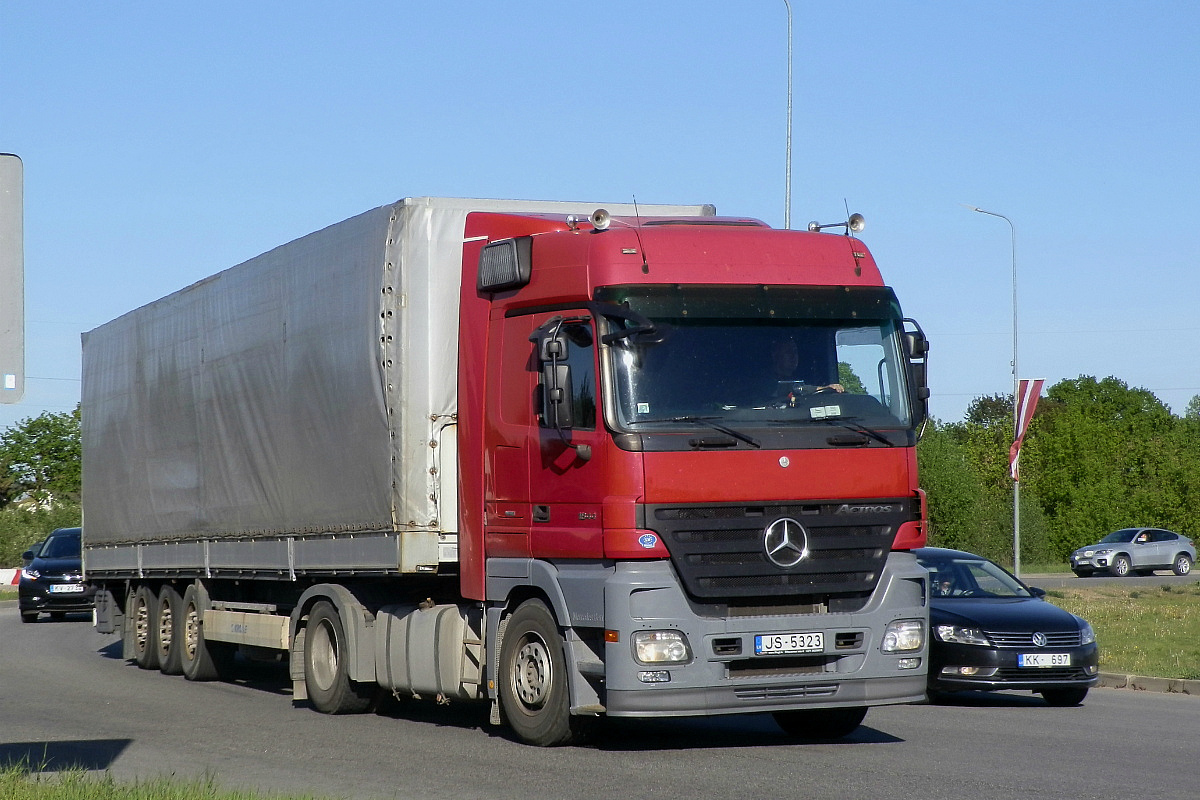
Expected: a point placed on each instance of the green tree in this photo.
(41, 457)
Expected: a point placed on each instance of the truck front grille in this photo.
(720, 551)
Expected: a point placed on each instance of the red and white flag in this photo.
(1027, 399)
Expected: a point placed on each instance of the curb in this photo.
(1142, 683)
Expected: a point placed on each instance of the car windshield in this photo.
(1123, 535)
(964, 577)
(761, 356)
(63, 545)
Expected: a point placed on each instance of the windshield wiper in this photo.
(709, 422)
(843, 422)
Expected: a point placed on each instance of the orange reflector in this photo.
(612, 636)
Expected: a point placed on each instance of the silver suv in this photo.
(1136, 550)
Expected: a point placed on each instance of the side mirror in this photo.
(1036, 592)
(556, 396)
(916, 348)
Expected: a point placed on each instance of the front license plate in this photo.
(1044, 660)
(67, 588)
(767, 644)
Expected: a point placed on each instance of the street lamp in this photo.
(787, 194)
(1016, 392)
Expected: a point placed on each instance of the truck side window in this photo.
(581, 357)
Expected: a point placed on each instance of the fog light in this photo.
(1091, 669)
(655, 676)
(909, 663)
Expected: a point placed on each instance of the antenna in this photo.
(637, 231)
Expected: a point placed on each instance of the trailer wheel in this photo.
(170, 624)
(533, 678)
(325, 669)
(143, 616)
(200, 660)
(820, 723)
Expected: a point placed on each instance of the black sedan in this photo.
(52, 579)
(991, 632)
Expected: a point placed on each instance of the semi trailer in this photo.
(564, 461)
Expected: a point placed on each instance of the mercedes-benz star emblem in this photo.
(785, 542)
(1039, 639)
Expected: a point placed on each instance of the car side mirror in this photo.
(1036, 592)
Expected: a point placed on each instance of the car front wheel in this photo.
(1183, 564)
(1120, 566)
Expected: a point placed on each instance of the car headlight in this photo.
(1103, 551)
(1086, 634)
(903, 636)
(661, 647)
(960, 635)
(30, 574)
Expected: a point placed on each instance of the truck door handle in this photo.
(541, 513)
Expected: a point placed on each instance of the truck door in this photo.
(566, 452)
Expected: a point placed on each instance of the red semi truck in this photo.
(574, 463)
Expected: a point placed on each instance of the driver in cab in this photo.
(788, 387)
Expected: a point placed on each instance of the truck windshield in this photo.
(759, 356)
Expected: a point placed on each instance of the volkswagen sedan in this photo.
(991, 632)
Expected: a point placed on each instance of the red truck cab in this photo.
(687, 471)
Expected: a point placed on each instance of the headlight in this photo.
(957, 635)
(661, 647)
(903, 636)
(1103, 551)
(30, 574)
(1087, 635)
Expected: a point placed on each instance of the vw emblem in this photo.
(785, 542)
(1039, 639)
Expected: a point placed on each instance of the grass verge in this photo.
(20, 783)
(1153, 631)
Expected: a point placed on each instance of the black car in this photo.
(990, 631)
(52, 579)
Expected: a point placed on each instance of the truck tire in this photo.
(200, 660)
(533, 678)
(143, 616)
(325, 665)
(820, 723)
(169, 627)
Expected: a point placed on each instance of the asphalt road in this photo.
(67, 698)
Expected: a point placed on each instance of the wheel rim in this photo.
(323, 656)
(141, 624)
(191, 632)
(166, 627)
(1122, 567)
(1183, 567)
(532, 672)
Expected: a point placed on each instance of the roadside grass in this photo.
(1152, 631)
(21, 783)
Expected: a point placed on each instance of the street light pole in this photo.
(1016, 391)
(787, 203)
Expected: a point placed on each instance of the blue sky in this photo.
(163, 142)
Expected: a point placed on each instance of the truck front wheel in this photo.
(533, 678)
(325, 669)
